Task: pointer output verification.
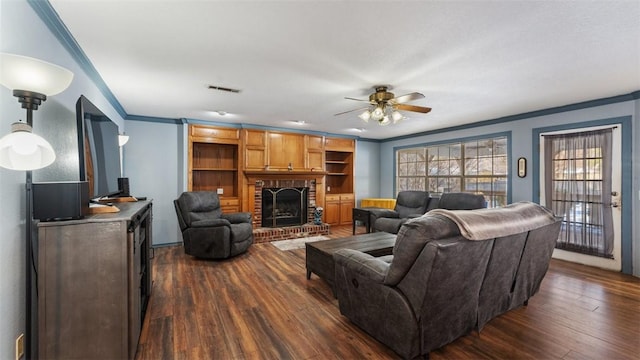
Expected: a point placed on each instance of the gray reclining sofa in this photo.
(450, 273)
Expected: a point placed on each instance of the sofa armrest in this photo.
(381, 212)
(210, 223)
(237, 217)
(362, 264)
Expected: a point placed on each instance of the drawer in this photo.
(229, 202)
(347, 197)
(333, 197)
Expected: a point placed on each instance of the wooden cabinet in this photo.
(255, 149)
(338, 209)
(339, 164)
(280, 151)
(94, 283)
(314, 146)
(214, 163)
(285, 151)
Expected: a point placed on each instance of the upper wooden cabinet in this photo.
(281, 151)
(255, 149)
(285, 151)
(314, 152)
(339, 144)
(210, 134)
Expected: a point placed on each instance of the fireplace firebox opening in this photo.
(284, 206)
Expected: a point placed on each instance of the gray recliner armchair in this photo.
(409, 204)
(208, 233)
(448, 201)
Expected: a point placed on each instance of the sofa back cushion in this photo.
(411, 240)
(461, 201)
(411, 202)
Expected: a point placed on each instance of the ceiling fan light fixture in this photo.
(384, 121)
(396, 116)
(365, 116)
(377, 113)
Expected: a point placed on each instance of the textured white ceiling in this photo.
(297, 60)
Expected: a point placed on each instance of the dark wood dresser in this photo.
(94, 283)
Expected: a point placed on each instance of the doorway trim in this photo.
(627, 178)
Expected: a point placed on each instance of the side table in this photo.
(361, 215)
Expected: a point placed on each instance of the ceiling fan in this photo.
(385, 105)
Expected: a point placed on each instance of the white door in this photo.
(578, 185)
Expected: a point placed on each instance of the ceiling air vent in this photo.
(223, 89)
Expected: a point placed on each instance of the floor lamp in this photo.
(31, 80)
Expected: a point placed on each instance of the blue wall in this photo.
(367, 179)
(153, 162)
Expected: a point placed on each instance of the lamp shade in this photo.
(24, 73)
(122, 139)
(23, 150)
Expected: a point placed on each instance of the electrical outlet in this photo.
(220, 191)
(20, 347)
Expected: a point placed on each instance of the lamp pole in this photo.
(28, 268)
(29, 258)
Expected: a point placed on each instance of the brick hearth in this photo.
(290, 232)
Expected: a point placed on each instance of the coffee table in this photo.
(319, 254)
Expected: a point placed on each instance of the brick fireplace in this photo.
(257, 181)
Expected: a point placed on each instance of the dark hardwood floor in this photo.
(261, 306)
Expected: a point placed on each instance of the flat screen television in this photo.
(98, 149)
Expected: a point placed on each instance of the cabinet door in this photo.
(285, 149)
(346, 211)
(315, 160)
(332, 212)
(255, 150)
(83, 291)
(314, 151)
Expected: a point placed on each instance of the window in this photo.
(477, 166)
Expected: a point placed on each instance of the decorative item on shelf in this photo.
(290, 167)
(31, 80)
(317, 216)
(522, 167)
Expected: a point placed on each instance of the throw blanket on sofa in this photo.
(483, 224)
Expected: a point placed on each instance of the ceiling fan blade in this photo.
(414, 108)
(406, 98)
(348, 111)
(350, 98)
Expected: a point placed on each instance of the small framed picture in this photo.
(522, 167)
